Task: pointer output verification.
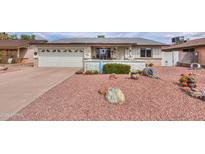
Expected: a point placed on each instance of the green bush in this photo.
(116, 68)
(91, 72)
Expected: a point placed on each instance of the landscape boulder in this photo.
(2, 68)
(103, 90)
(112, 76)
(200, 94)
(134, 75)
(150, 72)
(115, 96)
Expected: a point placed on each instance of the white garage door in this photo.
(60, 58)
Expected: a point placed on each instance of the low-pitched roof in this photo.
(14, 44)
(136, 41)
(189, 43)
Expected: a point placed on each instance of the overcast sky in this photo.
(164, 37)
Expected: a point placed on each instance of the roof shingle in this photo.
(13, 44)
(137, 41)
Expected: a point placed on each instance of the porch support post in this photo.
(18, 53)
(130, 51)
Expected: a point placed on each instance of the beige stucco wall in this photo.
(156, 55)
(155, 61)
(201, 54)
(29, 54)
(156, 51)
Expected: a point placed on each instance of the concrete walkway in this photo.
(20, 88)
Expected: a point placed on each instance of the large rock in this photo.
(202, 97)
(134, 75)
(112, 76)
(2, 68)
(103, 90)
(115, 96)
(196, 93)
(150, 72)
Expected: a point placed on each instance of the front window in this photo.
(145, 52)
(103, 53)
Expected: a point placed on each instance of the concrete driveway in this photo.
(20, 88)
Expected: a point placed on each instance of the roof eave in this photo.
(98, 43)
(14, 47)
(183, 47)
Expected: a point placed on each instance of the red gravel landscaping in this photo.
(77, 98)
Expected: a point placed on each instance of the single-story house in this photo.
(191, 51)
(88, 53)
(92, 53)
(19, 50)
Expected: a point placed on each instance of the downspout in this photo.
(196, 57)
(173, 64)
(84, 58)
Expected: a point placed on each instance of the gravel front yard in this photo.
(146, 99)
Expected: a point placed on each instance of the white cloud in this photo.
(190, 35)
(40, 35)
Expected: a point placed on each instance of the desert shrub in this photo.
(79, 72)
(150, 65)
(116, 68)
(91, 72)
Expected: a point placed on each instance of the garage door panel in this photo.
(74, 59)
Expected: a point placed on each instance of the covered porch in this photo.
(111, 52)
(17, 54)
(119, 54)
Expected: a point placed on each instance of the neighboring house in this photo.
(90, 53)
(19, 50)
(191, 51)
